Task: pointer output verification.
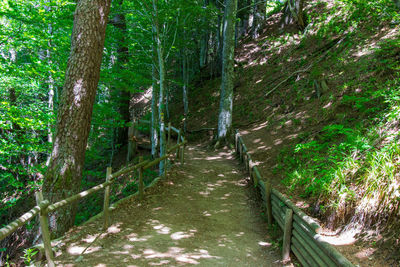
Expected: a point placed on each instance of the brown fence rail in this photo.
(43, 207)
(300, 230)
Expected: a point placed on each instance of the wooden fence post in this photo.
(236, 142)
(287, 235)
(106, 203)
(183, 153)
(169, 135)
(251, 168)
(44, 226)
(141, 184)
(131, 142)
(241, 151)
(268, 199)
(179, 140)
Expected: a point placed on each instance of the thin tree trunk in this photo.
(220, 45)
(204, 44)
(154, 112)
(185, 90)
(50, 84)
(293, 13)
(167, 96)
(161, 72)
(258, 18)
(119, 22)
(226, 101)
(64, 174)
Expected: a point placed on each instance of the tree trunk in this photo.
(64, 174)
(204, 43)
(258, 18)
(293, 13)
(185, 89)
(50, 84)
(397, 2)
(220, 36)
(226, 101)
(154, 111)
(119, 22)
(244, 15)
(162, 73)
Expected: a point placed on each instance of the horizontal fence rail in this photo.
(300, 230)
(43, 207)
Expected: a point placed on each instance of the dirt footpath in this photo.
(202, 214)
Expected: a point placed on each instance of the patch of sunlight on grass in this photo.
(133, 237)
(113, 229)
(278, 141)
(78, 250)
(181, 235)
(206, 213)
(264, 244)
(162, 229)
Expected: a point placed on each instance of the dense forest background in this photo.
(322, 74)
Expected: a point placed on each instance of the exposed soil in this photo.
(203, 214)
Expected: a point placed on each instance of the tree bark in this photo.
(162, 73)
(293, 13)
(204, 43)
(258, 18)
(226, 101)
(185, 89)
(64, 174)
(50, 82)
(119, 22)
(244, 15)
(397, 2)
(154, 110)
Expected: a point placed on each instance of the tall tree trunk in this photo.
(119, 22)
(258, 18)
(154, 110)
(64, 174)
(204, 43)
(161, 73)
(185, 89)
(50, 83)
(244, 14)
(226, 102)
(293, 13)
(220, 34)
(50, 79)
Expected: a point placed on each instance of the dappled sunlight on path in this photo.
(201, 214)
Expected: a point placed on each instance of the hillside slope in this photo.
(319, 111)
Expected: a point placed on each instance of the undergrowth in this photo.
(354, 160)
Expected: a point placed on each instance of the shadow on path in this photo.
(202, 214)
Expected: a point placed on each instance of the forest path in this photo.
(202, 214)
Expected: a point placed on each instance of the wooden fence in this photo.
(43, 207)
(300, 232)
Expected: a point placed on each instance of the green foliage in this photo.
(29, 253)
(314, 165)
(274, 7)
(356, 154)
(31, 58)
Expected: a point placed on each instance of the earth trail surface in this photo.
(202, 214)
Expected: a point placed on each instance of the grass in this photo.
(353, 161)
